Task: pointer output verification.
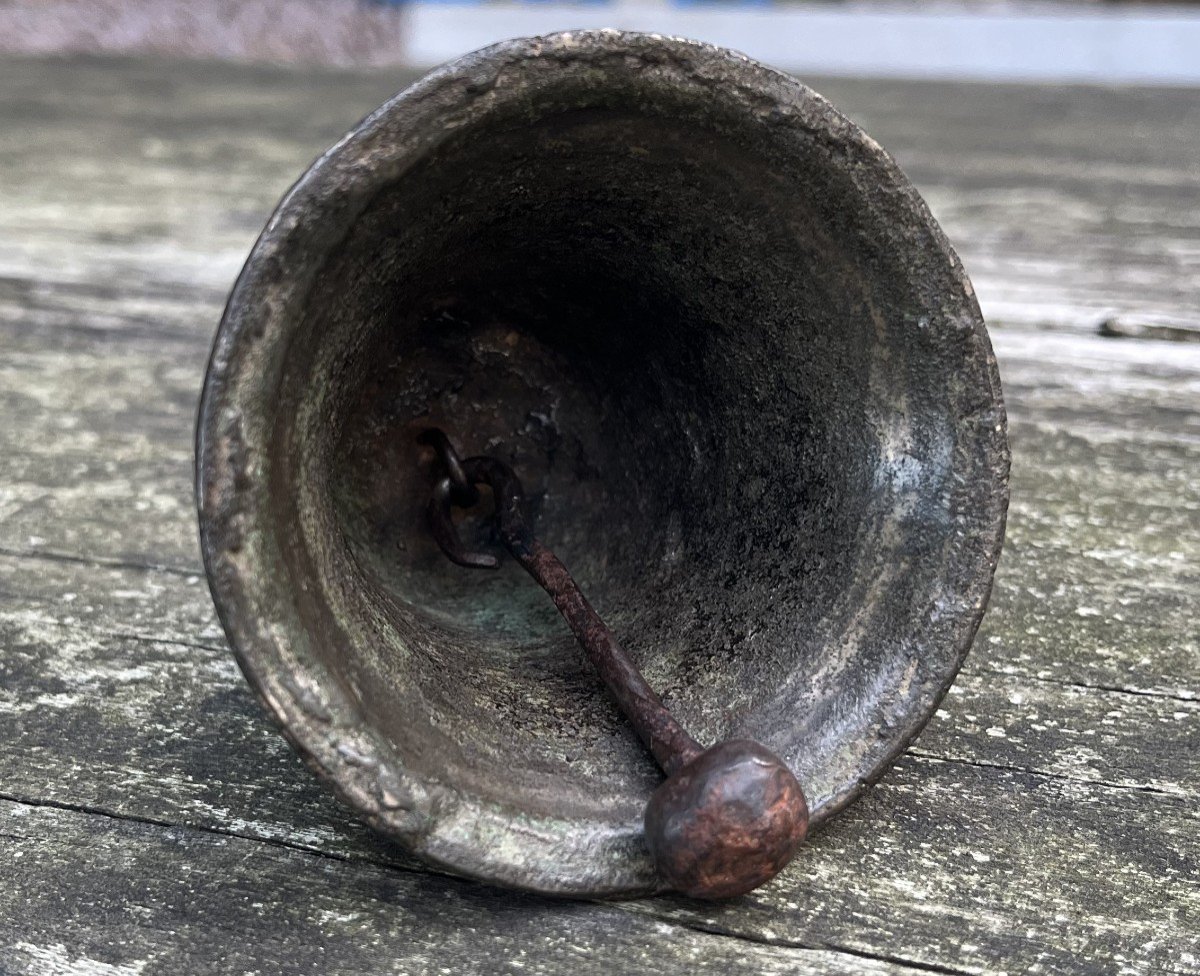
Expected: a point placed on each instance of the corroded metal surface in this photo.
(743, 375)
(727, 822)
(728, 818)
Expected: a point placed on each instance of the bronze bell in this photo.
(747, 389)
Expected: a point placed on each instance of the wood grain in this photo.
(191, 901)
(155, 822)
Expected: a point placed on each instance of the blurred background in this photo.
(1002, 40)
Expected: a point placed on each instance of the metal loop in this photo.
(441, 524)
(462, 491)
(507, 495)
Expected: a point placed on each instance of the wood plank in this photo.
(134, 189)
(155, 277)
(100, 450)
(146, 646)
(87, 894)
(1044, 822)
(1097, 780)
(1106, 490)
(134, 660)
(1068, 205)
(1101, 566)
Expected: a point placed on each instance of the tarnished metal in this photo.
(751, 400)
(728, 818)
(458, 487)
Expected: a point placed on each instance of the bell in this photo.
(749, 395)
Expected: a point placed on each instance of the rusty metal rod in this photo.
(727, 818)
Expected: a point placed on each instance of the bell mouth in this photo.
(745, 383)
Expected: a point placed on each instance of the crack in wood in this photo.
(1046, 774)
(916, 965)
(902, 964)
(100, 562)
(1083, 685)
(95, 811)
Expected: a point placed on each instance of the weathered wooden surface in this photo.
(153, 821)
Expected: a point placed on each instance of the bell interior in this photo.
(696, 350)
